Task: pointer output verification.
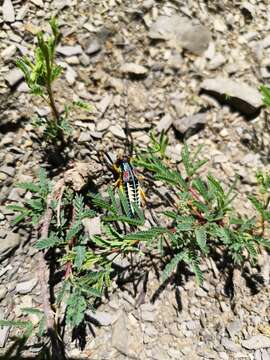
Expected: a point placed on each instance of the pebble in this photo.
(132, 68)
(61, 4)
(14, 76)
(104, 103)
(230, 345)
(234, 327)
(84, 59)
(117, 131)
(38, 3)
(181, 32)
(10, 242)
(14, 195)
(9, 52)
(8, 170)
(92, 226)
(190, 124)
(93, 47)
(224, 133)
(102, 124)
(69, 50)
(23, 10)
(223, 356)
(3, 292)
(84, 137)
(148, 4)
(4, 331)
(120, 334)
(165, 123)
(216, 62)
(8, 11)
(265, 355)
(70, 75)
(256, 342)
(103, 318)
(26, 286)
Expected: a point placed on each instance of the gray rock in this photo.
(14, 76)
(84, 137)
(9, 52)
(181, 32)
(96, 134)
(223, 356)
(117, 131)
(148, 312)
(92, 225)
(230, 345)
(70, 75)
(148, 316)
(175, 62)
(69, 50)
(119, 261)
(26, 286)
(8, 11)
(14, 195)
(133, 68)
(148, 4)
(103, 125)
(3, 291)
(256, 342)
(193, 325)
(102, 318)
(150, 330)
(216, 62)
(84, 59)
(23, 87)
(120, 335)
(189, 125)
(38, 3)
(164, 123)
(23, 10)
(93, 47)
(104, 103)
(137, 97)
(265, 354)
(9, 170)
(4, 331)
(257, 355)
(240, 95)
(10, 242)
(234, 327)
(61, 4)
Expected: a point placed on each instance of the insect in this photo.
(128, 183)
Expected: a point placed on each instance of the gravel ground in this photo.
(160, 65)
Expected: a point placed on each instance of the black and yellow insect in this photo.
(129, 184)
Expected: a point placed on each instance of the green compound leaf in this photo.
(76, 306)
(172, 265)
(201, 236)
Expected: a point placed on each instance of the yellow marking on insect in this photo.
(129, 184)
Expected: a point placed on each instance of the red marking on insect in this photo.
(126, 176)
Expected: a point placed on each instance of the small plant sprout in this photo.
(40, 73)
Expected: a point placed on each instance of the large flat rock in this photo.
(241, 96)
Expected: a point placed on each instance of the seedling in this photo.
(40, 73)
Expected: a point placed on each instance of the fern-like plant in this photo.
(203, 217)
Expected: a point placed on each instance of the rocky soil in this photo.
(191, 68)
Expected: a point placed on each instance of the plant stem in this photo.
(55, 111)
(52, 104)
(58, 352)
